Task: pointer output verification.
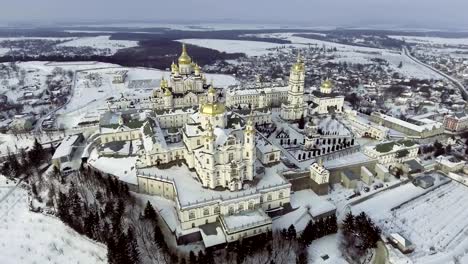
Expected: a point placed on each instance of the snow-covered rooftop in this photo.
(245, 220)
(66, 147)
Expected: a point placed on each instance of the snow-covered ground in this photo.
(435, 221)
(101, 42)
(123, 168)
(250, 48)
(432, 40)
(326, 250)
(29, 237)
(199, 26)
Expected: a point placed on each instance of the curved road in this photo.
(381, 254)
(444, 75)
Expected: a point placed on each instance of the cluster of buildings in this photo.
(230, 160)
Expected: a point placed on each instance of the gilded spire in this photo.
(211, 90)
(163, 83)
(299, 65)
(299, 57)
(184, 57)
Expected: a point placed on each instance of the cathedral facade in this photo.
(186, 87)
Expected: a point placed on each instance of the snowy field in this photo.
(249, 48)
(37, 238)
(200, 26)
(435, 222)
(432, 40)
(100, 42)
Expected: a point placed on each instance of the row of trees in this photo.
(318, 229)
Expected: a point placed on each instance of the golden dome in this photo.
(327, 84)
(299, 65)
(213, 109)
(167, 92)
(184, 57)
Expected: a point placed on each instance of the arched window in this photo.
(231, 210)
(206, 211)
(281, 195)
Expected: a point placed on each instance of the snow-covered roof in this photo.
(234, 92)
(417, 128)
(213, 238)
(307, 204)
(401, 240)
(66, 147)
(449, 161)
(264, 146)
(245, 220)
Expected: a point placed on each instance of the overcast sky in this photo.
(418, 13)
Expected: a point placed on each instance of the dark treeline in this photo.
(101, 218)
(360, 234)
(151, 53)
(320, 228)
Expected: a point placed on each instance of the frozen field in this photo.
(29, 237)
(436, 222)
(250, 48)
(101, 42)
(433, 40)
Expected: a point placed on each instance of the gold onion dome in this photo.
(327, 84)
(184, 57)
(299, 65)
(213, 109)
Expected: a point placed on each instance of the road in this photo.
(456, 82)
(381, 254)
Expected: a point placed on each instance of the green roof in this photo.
(407, 143)
(385, 147)
(388, 146)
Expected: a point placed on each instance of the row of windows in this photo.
(206, 212)
(254, 232)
